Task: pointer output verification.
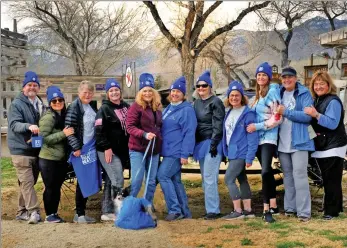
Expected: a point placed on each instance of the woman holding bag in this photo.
(53, 153)
(81, 116)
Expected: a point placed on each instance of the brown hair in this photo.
(324, 76)
(155, 104)
(244, 101)
(259, 93)
(121, 95)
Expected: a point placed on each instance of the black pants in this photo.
(265, 154)
(53, 175)
(81, 202)
(332, 169)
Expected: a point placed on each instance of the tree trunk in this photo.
(188, 69)
(332, 24)
(284, 55)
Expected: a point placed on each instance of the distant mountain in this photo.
(304, 43)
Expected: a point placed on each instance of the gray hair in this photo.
(89, 85)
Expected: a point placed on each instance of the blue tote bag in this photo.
(87, 169)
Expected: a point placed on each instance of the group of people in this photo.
(289, 121)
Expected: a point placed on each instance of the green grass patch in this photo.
(230, 226)
(256, 224)
(337, 238)
(282, 233)
(278, 225)
(8, 173)
(191, 184)
(325, 232)
(341, 216)
(227, 240)
(290, 244)
(209, 229)
(345, 244)
(219, 246)
(308, 229)
(201, 245)
(246, 241)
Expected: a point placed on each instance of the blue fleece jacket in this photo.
(178, 130)
(300, 121)
(132, 214)
(242, 145)
(265, 108)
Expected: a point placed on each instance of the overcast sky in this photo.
(227, 11)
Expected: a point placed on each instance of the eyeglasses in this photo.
(201, 86)
(59, 100)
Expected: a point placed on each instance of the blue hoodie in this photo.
(265, 109)
(300, 121)
(238, 147)
(178, 130)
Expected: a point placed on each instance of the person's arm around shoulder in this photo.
(299, 115)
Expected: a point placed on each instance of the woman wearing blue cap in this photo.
(210, 113)
(144, 123)
(267, 99)
(178, 131)
(239, 147)
(112, 143)
(53, 154)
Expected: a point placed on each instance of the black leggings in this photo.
(53, 175)
(332, 170)
(265, 154)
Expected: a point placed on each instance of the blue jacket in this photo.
(178, 131)
(300, 121)
(265, 109)
(132, 214)
(238, 147)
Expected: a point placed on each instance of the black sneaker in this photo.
(327, 217)
(274, 211)
(248, 214)
(267, 217)
(212, 216)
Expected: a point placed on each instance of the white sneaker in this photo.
(108, 217)
(34, 218)
(84, 219)
(23, 216)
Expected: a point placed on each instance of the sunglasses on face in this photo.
(201, 86)
(55, 101)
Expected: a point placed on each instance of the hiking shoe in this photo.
(248, 214)
(234, 216)
(304, 219)
(327, 217)
(173, 217)
(289, 213)
(211, 216)
(23, 216)
(274, 211)
(267, 217)
(53, 218)
(108, 217)
(34, 218)
(61, 219)
(83, 219)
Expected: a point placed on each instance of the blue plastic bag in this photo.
(87, 169)
(36, 141)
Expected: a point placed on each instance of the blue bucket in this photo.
(36, 141)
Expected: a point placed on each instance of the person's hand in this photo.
(281, 109)
(248, 165)
(251, 128)
(150, 136)
(108, 155)
(34, 129)
(77, 153)
(311, 111)
(68, 131)
(213, 151)
(184, 161)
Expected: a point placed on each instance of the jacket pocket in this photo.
(232, 151)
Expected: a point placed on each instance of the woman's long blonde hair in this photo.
(155, 104)
(324, 76)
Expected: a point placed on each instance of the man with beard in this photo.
(23, 118)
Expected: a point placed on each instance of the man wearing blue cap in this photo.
(23, 118)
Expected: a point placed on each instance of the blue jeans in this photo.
(169, 177)
(138, 170)
(209, 168)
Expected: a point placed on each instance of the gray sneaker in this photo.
(234, 216)
(23, 216)
(83, 219)
(34, 218)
